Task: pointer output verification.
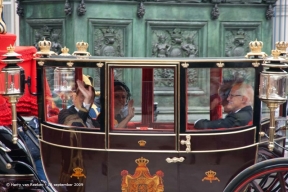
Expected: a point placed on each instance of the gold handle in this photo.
(187, 143)
(175, 159)
(262, 134)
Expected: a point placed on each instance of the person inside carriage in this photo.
(123, 105)
(78, 114)
(238, 107)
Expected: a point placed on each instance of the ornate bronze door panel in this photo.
(197, 28)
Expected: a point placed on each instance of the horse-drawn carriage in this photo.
(160, 148)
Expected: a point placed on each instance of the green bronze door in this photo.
(195, 28)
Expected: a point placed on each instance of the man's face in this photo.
(235, 100)
(78, 99)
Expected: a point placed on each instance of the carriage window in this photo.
(65, 100)
(142, 99)
(219, 98)
(265, 113)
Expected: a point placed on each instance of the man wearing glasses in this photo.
(240, 101)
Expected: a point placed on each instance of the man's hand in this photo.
(88, 94)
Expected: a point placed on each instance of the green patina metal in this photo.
(192, 28)
(211, 29)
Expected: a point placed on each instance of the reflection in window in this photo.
(164, 95)
(124, 109)
(143, 99)
(265, 112)
(220, 98)
(66, 103)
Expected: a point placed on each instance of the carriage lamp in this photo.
(12, 84)
(272, 89)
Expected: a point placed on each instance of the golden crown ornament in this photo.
(44, 49)
(256, 46)
(142, 143)
(65, 51)
(142, 162)
(210, 176)
(281, 46)
(256, 50)
(11, 51)
(275, 60)
(78, 173)
(81, 49)
(275, 53)
(11, 55)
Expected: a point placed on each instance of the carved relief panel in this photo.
(109, 42)
(237, 42)
(55, 36)
(48, 29)
(165, 77)
(111, 38)
(175, 43)
(177, 39)
(237, 37)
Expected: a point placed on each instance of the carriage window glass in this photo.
(65, 102)
(142, 99)
(265, 113)
(219, 98)
(164, 95)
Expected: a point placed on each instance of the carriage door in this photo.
(213, 151)
(142, 123)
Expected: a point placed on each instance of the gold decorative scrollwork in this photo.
(141, 180)
(78, 173)
(70, 64)
(99, 64)
(256, 64)
(142, 143)
(40, 63)
(210, 176)
(220, 64)
(185, 65)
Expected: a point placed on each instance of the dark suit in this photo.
(241, 118)
(73, 139)
(82, 113)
